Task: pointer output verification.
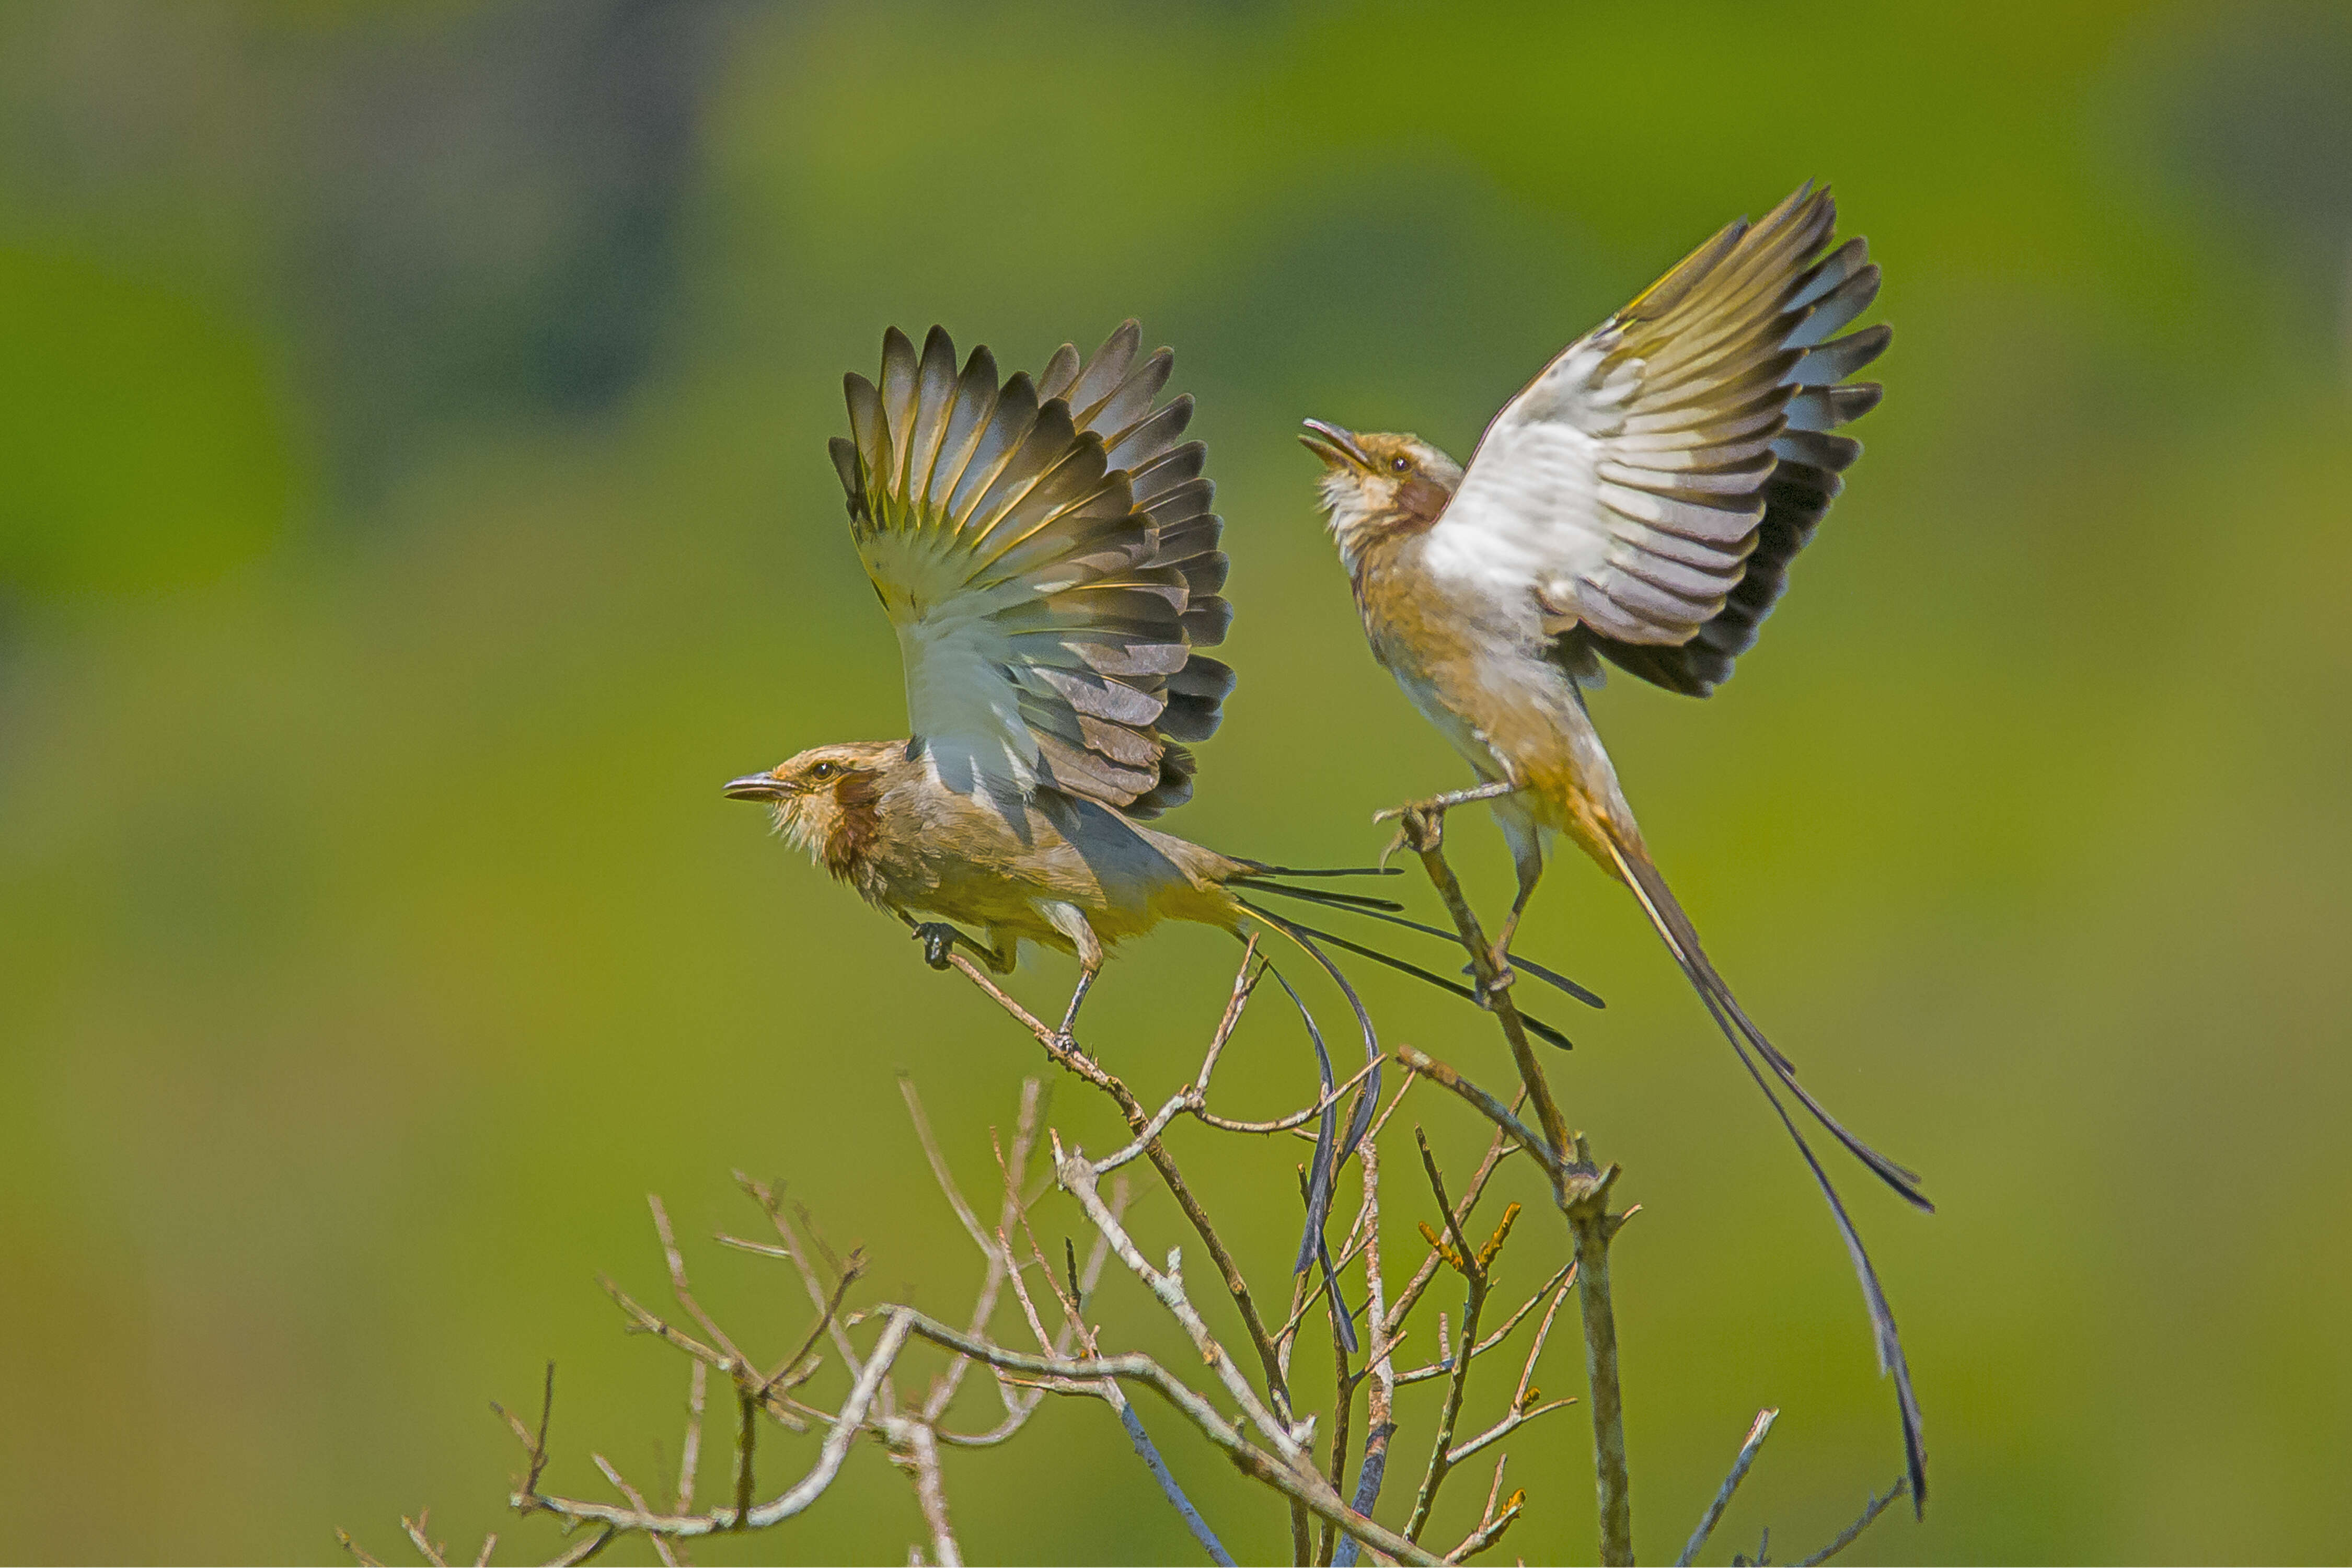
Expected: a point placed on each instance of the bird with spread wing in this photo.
(1045, 551)
(1639, 502)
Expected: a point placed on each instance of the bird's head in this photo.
(1377, 484)
(825, 799)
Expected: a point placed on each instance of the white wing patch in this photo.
(1624, 487)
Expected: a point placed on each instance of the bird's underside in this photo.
(1638, 502)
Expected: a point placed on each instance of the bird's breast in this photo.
(1473, 660)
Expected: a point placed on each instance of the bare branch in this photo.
(635, 1499)
(1444, 1366)
(1487, 1106)
(738, 1361)
(1847, 1536)
(1714, 1515)
(1497, 1149)
(770, 1201)
(1490, 1530)
(1299, 1481)
(425, 1546)
(772, 1399)
(1379, 1369)
(1167, 1287)
(1524, 1407)
(690, 1453)
(1425, 832)
(806, 1492)
(1473, 1265)
(1585, 1198)
(1237, 1286)
(920, 1455)
(587, 1549)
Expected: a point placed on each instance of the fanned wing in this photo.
(1045, 551)
(1652, 484)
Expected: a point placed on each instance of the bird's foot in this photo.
(1505, 975)
(939, 940)
(1422, 823)
(1421, 826)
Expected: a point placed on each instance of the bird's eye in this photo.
(823, 771)
(1398, 465)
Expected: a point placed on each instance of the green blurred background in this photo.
(414, 503)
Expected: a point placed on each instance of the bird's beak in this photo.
(755, 787)
(1333, 445)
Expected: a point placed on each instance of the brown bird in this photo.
(1639, 502)
(1046, 550)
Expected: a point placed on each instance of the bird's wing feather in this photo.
(1045, 551)
(1649, 485)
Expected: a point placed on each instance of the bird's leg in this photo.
(1086, 974)
(1526, 859)
(1071, 922)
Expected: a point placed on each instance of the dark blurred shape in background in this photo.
(413, 504)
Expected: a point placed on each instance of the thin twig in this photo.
(1473, 1265)
(1847, 1536)
(772, 1203)
(425, 1546)
(587, 1549)
(1524, 1405)
(685, 1294)
(837, 1438)
(1757, 1433)
(1486, 1105)
(1237, 1286)
(1425, 832)
(772, 1400)
(1491, 1524)
(635, 1499)
(1379, 1369)
(689, 1457)
(1498, 1148)
(1300, 1483)
(1445, 1365)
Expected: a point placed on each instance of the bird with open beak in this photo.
(1639, 502)
(1045, 551)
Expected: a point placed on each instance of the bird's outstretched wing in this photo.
(1046, 550)
(1650, 485)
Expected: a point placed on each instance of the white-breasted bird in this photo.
(1639, 502)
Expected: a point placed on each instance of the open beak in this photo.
(755, 787)
(1333, 445)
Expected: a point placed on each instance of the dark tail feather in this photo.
(1682, 939)
(1316, 895)
(1320, 1184)
(1535, 1025)
(1381, 910)
(1260, 868)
